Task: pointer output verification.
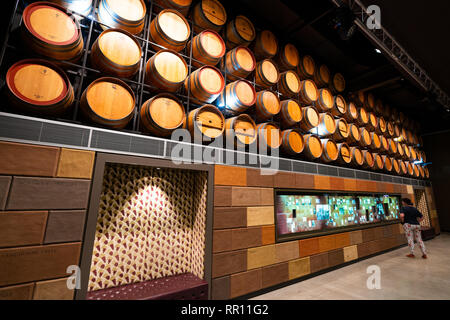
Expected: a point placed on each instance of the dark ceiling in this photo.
(419, 26)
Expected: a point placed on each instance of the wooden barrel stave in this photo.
(239, 63)
(166, 70)
(290, 114)
(267, 105)
(239, 32)
(180, 6)
(292, 141)
(269, 136)
(313, 147)
(265, 45)
(204, 85)
(237, 97)
(330, 150)
(113, 17)
(206, 121)
(287, 58)
(208, 48)
(266, 73)
(208, 14)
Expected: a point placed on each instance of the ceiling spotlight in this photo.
(377, 50)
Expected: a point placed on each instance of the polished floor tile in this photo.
(401, 278)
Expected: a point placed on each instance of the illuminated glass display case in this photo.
(299, 214)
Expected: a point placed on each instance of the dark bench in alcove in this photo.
(184, 286)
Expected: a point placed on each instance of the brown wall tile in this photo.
(246, 238)
(22, 228)
(47, 193)
(228, 263)
(322, 182)
(299, 268)
(379, 233)
(351, 184)
(259, 216)
(368, 234)
(286, 251)
(342, 239)
(372, 186)
(226, 217)
(220, 288)
(350, 253)
(401, 239)
(245, 282)
(363, 249)
(5, 182)
(304, 181)
(267, 235)
(222, 240)
(20, 292)
(284, 180)
(222, 196)
(308, 247)
(327, 243)
(319, 262)
(267, 197)
(387, 231)
(28, 160)
(335, 257)
(230, 176)
(260, 256)
(65, 226)
(390, 188)
(52, 290)
(337, 183)
(37, 263)
(256, 179)
(275, 274)
(356, 237)
(250, 196)
(75, 164)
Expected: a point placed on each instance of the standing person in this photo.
(411, 218)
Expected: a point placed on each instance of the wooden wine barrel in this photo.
(170, 30)
(378, 162)
(369, 102)
(337, 83)
(368, 159)
(288, 57)
(38, 87)
(269, 136)
(363, 117)
(327, 125)
(292, 141)
(400, 151)
(352, 112)
(208, 48)
(342, 130)
(359, 98)
(397, 130)
(310, 118)
(266, 73)
(403, 168)
(166, 70)
(265, 45)
(423, 156)
(116, 52)
(387, 111)
(182, 6)
(322, 76)
(162, 114)
(306, 68)
(289, 83)
(330, 150)
(388, 166)
(313, 147)
(82, 7)
(416, 172)
(267, 105)
(376, 141)
(427, 172)
(356, 156)
(409, 168)
(238, 97)
(344, 153)
(290, 114)
(390, 132)
(241, 129)
(406, 151)
(392, 147)
(206, 121)
(239, 32)
(325, 100)
(373, 122)
(209, 14)
(381, 127)
(308, 94)
(421, 171)
(50, 31)
(239, 63)
(384, 148)
(396, 166)
(339, 108)
(353, 134)
(204, 85)
(365, 140)
(127, 15)
(109, 102)
(413, 153)
(379, 108)
(394, 115)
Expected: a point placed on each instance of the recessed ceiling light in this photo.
(377, 50)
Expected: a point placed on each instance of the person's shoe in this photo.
(424, 256)
(410, 255)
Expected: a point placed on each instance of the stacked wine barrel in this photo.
(214, 75)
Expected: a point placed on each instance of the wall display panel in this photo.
(305, 213)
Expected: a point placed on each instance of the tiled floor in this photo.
(401, 278)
